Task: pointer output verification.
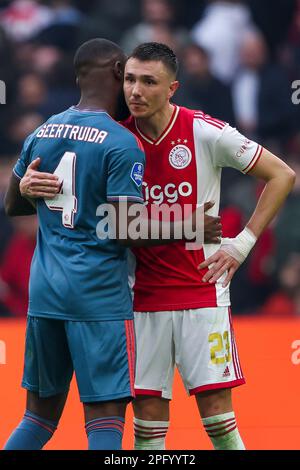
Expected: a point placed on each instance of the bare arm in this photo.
(36, 184)
(14, 203)
(280, 179)
(125, 224)
(19, 199)
(150, 232)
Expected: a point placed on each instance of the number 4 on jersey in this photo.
(65, 201)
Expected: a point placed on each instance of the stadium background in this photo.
(238, 61)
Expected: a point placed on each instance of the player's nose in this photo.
(136, 90)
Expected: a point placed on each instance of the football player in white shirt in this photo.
(181, 297)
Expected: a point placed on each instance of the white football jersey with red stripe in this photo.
(183, 166)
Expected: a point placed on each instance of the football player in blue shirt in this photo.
(80, 312)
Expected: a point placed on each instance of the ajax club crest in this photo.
(180, 157)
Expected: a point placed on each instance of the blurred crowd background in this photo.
(238, 60)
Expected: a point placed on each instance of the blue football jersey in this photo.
(75, 274)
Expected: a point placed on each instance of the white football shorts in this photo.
(200, 342)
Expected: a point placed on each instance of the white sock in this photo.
(150, 435)
(222, 431)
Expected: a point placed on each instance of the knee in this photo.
(214, 402)
(151, 409)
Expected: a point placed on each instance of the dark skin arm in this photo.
(19, 199)
(36, 184)
(14, 203)
(212, 232)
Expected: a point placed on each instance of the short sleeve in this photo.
(125, 174)
(234, 150)
(23, 161)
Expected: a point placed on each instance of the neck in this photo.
(154, 125)
(96, 103)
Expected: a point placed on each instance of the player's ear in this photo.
(173, 87)
(118, 70)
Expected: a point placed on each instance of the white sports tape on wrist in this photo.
(240, 246)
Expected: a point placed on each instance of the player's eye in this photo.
(129, 79)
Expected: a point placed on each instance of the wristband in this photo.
(240, 246)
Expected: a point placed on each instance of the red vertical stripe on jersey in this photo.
(233, 351)
(235, 357)
(130, 340)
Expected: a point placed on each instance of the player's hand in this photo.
(36, 184)
(221, 262)
(212, 225)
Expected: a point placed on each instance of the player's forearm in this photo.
(14, 203)
(234, 251)
(155, 233)
(133, 227)
(270, 201)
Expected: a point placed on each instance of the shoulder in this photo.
(123, 146)
(129, 124)
(208, 127)
(209, 121)
(204, 119)
(129, 138)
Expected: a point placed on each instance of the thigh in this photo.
(155, 354)
(206, 352)
(103, 354)
(48, 366)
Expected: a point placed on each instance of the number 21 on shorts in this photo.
(65, 201)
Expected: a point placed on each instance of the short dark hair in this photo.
(158, 52)
(90, 51)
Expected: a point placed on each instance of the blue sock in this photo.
(32, 433)
(105, 433)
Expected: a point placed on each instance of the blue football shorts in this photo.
(102, 354)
